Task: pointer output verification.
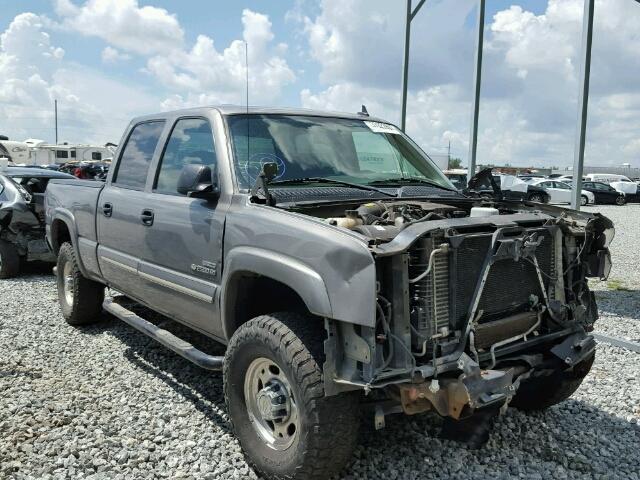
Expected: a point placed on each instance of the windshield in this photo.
(356, 151)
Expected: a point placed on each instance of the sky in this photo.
(106, 61)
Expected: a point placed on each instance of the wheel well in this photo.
(59, 235)
(249, 295)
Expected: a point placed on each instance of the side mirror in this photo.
(197, 181)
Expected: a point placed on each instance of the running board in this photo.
(166, 338)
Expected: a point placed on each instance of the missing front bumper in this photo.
(459, 397)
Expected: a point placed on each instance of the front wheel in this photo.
(621, 200)
(274, 392)
(584, 200)
(80, 298)
(540, 393)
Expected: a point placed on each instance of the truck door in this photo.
(120, 207)
(180, 263)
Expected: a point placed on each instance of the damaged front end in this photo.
(471, 301)
(22, 222)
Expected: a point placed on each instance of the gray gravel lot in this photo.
(105, 402)
(619, 296)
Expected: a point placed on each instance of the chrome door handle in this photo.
(147, 217)
(107, 209)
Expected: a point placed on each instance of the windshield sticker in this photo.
(380, 127)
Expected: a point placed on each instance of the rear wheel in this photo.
(621, 200)
(540, 393)
(584, 200)
(9, 260)
(80, 298)
(274, 392)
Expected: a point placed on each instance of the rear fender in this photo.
(58, 218)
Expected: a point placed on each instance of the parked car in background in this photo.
(506, 187)
(22, 227)
(87, 170)
(604, 193)
(621, 183)
(560, 192)
(458, 177)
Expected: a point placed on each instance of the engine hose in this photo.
(444, 248)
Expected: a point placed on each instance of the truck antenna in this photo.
(246, 70)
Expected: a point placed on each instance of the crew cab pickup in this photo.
(339, 266)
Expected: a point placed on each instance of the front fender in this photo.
(301, 278)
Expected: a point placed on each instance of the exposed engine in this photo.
(472, 282)
(384, 220)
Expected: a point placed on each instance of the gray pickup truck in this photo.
(342, 270)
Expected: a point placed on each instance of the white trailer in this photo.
(42, 153)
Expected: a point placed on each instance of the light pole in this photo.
(405, 63)
(477, 81)
(583, 101)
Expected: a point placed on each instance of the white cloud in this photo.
(34, 74)
(143, 30)
(193, 76)
(361, 41)
(530, 76)
(205, 75)
(112, 55)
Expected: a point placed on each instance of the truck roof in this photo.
(242, 109)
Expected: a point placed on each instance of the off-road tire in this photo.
(473, 431)
(86, 305)
(540, 393)
(584, 200)
(329, 425)
(9, 260)
(536, 197)
(621, 200)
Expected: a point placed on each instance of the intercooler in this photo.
(443, 298)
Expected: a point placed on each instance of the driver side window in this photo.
(191, 142)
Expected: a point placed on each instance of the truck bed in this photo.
(75, 202)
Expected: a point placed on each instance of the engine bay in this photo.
(382, 221)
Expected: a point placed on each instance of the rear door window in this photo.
(136, 157)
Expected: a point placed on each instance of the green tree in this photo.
(455, 163)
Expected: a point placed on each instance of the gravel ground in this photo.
(619, 296)
(105, 402)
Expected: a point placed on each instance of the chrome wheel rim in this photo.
(68, 283)
(270, 404)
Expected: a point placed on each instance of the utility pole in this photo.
(477, 81)
(583, 101)
(55, 115)
(405, 63)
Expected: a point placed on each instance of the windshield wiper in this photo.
(408, 181)
(359, 186)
